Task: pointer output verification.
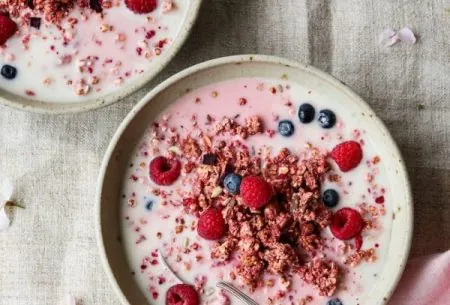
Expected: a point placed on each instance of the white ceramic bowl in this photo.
(134, 125)
(158, 64)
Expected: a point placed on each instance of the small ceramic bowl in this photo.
(158, 64)
(132, 128)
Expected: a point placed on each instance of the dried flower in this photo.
(6, 192)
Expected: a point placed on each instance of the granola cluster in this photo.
(277, 238)
(280, 238)
(53, 10)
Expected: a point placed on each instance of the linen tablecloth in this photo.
(50, 249)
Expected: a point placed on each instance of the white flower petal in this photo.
(388, 38)
(4, 220)
(6, 190)
(407, 35)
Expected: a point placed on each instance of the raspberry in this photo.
(141, 6)
(7, 28)
(347, 155)
(164, 171)
(346, 224)
(255, 192)
(182, 294)
(211, 225)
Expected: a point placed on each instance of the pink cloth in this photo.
(426, 281)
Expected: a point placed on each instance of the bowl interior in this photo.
(87, 103)
(138, 120)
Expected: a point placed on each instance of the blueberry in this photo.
(286, 128)
(232, 183)
(330, 198)
(327, 118)
(8, 72)
(306, 113)
(334, 302)
(149, 205)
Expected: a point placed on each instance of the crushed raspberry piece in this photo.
(182, 294)
(7, 28)
(358, 242)
(379, 200)
(346, 223)
(211, 225)
(164, 171)
(347, 155)
(255, 191)
(141, 6)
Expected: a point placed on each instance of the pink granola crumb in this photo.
(321, 273)
(53, 10)
(168, 5)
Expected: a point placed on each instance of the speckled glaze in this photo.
(131, 130)
(42, 106)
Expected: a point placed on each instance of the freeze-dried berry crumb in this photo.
(358, 242)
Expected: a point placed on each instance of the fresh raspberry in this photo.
(182, 294)
(346, 223)
(211, 225)
(7, 28)
(164, 171)
(347, 155)
(141, 6)
(255, 191)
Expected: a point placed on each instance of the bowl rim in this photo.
(37, 106)
(240, 59)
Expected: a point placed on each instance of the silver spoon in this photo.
(166, 264)
(236, 292)
(221, 284)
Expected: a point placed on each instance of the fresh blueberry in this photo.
(306, 113)
(330, 198)
(232, 183)
(334, 302)
(286, 128)
(8, 72)
(149, 205)
(327, 118)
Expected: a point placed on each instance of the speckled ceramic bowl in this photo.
(134, 125)
(158, 64)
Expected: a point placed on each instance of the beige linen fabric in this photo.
(50, 249)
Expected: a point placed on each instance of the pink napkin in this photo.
(426, 281)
